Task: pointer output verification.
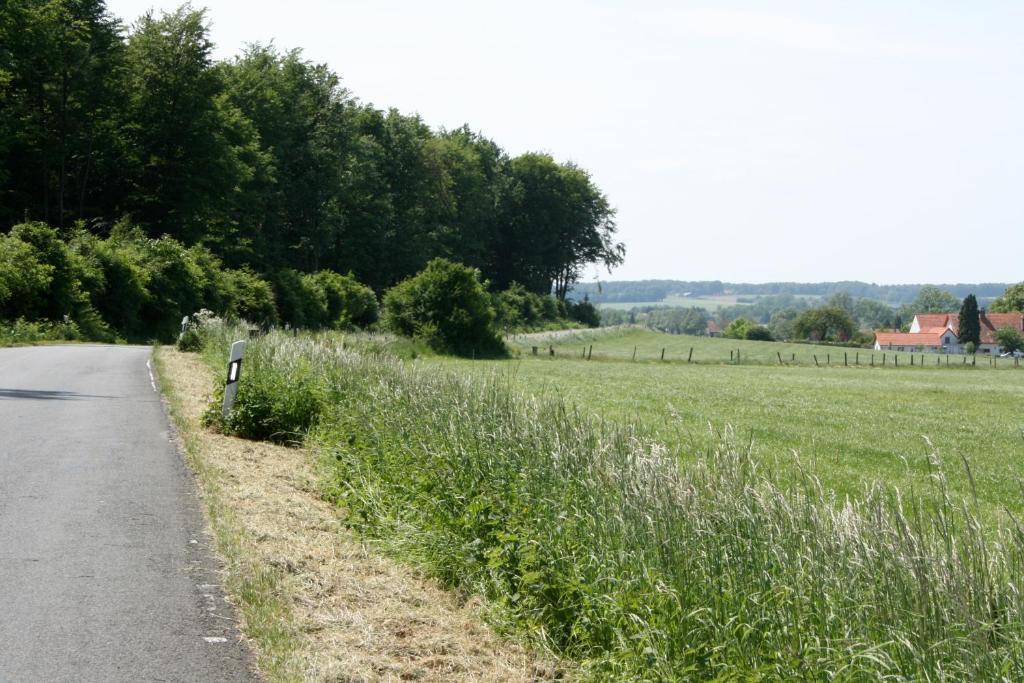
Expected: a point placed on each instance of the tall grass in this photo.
(599, 544)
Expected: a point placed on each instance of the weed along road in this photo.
(105, 572)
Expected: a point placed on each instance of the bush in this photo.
(446, 306)
(298, 305)
(584, 312)
(24, 278)
(340, 301)
(24, 332)
(517, 309)
(280, 396)
(62, 286)
(737, 329)
(252, 298)
(758, 333)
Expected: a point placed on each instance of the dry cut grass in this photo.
(347, 613)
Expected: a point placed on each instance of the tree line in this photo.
(266, 161)
(642, 291)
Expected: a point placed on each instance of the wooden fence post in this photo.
(883, 359)
(551, 351)
(828, 359)
(779, 354)
(663, 353)
(815, 359)
(844, 359)
(730, 355)
(690, 357)
(634, 353)
(590, 353)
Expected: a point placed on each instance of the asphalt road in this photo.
(105, 571)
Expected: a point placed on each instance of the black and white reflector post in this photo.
(234, 373)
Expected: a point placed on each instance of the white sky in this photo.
(739, 141)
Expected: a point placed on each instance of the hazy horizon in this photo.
(813, 141)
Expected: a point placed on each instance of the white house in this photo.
(937, 333)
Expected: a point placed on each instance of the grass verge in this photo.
(256, 589)
(317, 603)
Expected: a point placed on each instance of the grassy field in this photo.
(849, 425)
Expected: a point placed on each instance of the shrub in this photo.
(340, 301)
(251, 298)
(447, 306)
(584, 312)
(737, 329)
(280, 396)
(516, 308)
(60, 296)
(758, 333)
(190, 341)
(298, 305)
(24, 278)
(22, 331)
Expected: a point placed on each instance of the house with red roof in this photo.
(937, 333)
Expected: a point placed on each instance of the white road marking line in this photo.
(152, 382)
(215, 639)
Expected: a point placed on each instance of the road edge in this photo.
(253, 589)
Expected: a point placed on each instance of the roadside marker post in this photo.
(184, 324)
(234, 374)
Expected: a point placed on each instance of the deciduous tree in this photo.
(1011, 300)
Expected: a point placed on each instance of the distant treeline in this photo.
(657, 290)
(780, 315)
(266, 161)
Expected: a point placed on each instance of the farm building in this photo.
(713, 329)
(937, 333)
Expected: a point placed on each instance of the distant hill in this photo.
(643, 291)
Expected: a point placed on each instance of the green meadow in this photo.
(850, 425)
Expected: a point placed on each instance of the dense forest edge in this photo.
(141, 181)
